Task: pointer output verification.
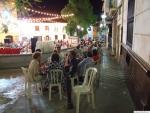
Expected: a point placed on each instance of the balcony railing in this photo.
(112, 6)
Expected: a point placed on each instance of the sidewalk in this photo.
(111, 97)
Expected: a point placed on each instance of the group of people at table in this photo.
(72, 63)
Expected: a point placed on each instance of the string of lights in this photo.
(48, 14)
(41, 19)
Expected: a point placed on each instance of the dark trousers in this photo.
(68, 86)
(69, 90)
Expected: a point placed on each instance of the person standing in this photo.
(73, 63)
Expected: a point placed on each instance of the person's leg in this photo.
(66, 70)
(29, 90)
(69, 92)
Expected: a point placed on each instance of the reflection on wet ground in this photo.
(11, 87)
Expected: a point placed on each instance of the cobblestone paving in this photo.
(111, 97)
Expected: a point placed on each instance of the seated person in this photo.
(55, 62)
(82, 65)
(73, 63)
(34, 67)
(60, 53)
(96, 56)
(79, 52)
(70, 64)
(38, 50)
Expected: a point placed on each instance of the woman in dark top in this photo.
(96, 56)
(55, 62)
(73, 63)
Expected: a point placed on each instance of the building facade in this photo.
(47, 31)
(131, 45)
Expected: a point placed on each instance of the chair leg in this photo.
(77, 80)
(88, 98)
(93, 101)
(25, 88)
(73, 98)
(77, 103)
(60, 94)
(36, 87)
(50, 92)
(72, 82)
(41, 90)
(29, 90)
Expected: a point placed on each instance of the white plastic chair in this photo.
(86, 88)
(55, 78)
(29, 82)
(25, 72)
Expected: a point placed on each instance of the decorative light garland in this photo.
(40, 19)
(48, 14)
(51, 19)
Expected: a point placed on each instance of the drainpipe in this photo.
(112, 39)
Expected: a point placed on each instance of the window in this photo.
(37, 28)
(56, 37)
(46, 28)
(130, 22)
(63, 30)
(64, 36)
(56, 29)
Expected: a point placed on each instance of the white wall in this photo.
(141, 39)
(106, 6)
(125, 12)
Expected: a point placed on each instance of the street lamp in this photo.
(103, 16)
(5, 14)
(82, 29)
(101, 25)
(78, 27)
(5, 17)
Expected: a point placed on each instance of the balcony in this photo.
(112, 7)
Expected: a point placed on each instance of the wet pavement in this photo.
(111, 97)
(11, 87)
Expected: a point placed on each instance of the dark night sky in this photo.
(55, 6)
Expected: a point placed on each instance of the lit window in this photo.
(64, 36)
(37, 28)
(46, 28)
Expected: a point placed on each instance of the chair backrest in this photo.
(90, 76)
(25, 72)
(86, 67)
(55, 76)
